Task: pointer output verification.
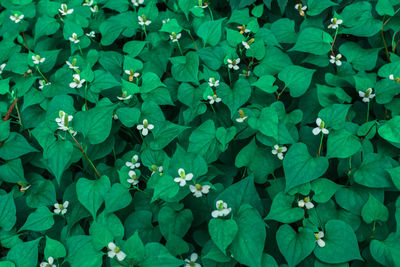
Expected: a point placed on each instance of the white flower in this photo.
(318, 237)
(124, 96)
(63, 120)
(134, 180)
(367, 95)
(2, 66)
(201, 4)
(335, 23)
(336, 60)
(74, 38)
(165, 21)
(42, 84)
(246, 45)
(192, 261)
(137, 2)
(242, 117)
(243, 29)
(23, 187)
(233, 63)
(115, 251)
(198, 190)
(64, 10)
(174, 37)
(72, 65)
(61, 208)
(78, 82)
(48, 263)
(145, 127)
(132, 73)
(37, 59)
(91, 34)
(95, 8)
(213, 99)
(17, 18)
(301, 9)
(155, 169)
(183, 177)
(134, 163)
(391, 76)
(321, 127)
(213, 83)
(143, 21)
(222, 209)
(88, 3)
(306, 202)
(115, 116)
(279, 150)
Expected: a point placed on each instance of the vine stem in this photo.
(194, 42)
(368, 111)
(37, 67)
(230, 79)
(84, 154)
(334, 40)
(320, 145)
(9, 111)
(179, 46)
(384, 42)
(211, 14)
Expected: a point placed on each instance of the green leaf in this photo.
(236, 97)
(314, 41)
(165, 189)
(4, 130)
(297, 79)
(54, 249)
(323, 189)
(267, 123)
(386, 252)
(12, 172)
(300, 167)
(7, 211)
(248, 245)
(361, 59)
(390, 131)
(134, 248)
(282, 209)
(58, 156)
(266, 83)
(103, 80)
(91, 193)
(25, 254)
(117, 198)
(157, 255)
(210, 32)
(315, 7)
(342, 144)
(150, 82)
(203, 140)
(15, 146)
(39, 220)
(295, 247)
(128, 116)
(372, 171)
(340, 244)
(384, 7)
(82, 253)
(186, 68)
(173, 222)
(334, 115)
(222, 232)
(374, 210)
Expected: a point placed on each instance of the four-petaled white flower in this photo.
(246, 44)
(213, 99)
(64, 10)
(17, 18)
(48, 263)
(213, 83)
(198, 190)
(145, 127)
(77, 81)
(37, 59)
(367, 95)
(134, 179)
(137, 2)
(61, 208)
(115, 251)
(192, 261)
(335, 23)
(279, 150)
(74, 38)
(91, 34)
(88, 3)
(132, 73)
(2, 66)
(233, 63)
(318, 237)
(222, 209)
(134, 163)
(124, 96)
(183, 177)
(320, 128)
(174, 37)
(242, 117)
(336, 59)
(202, 4)
(306, 202)
(72, 65)
(299, 7)
(43, 83)
(143, 21)
(63, 120)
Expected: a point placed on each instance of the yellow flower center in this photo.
(198, 187)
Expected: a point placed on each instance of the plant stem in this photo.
(194, 42)
(334, 40)
(279, 95)
(37, 67)
(179, 46)
(320, 145)
(368, 111)
(211, 14)
(229, 75)
(384, 41)
(86, 156)
(80, 49)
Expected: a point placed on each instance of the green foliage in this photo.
(193, 133)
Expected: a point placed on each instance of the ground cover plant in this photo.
(193, 133)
